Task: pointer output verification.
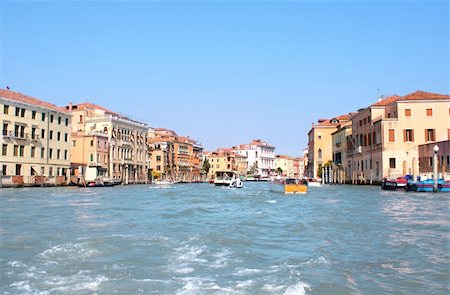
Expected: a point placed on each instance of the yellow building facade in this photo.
(35, 140)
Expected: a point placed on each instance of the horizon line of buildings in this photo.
(46, 144)
(392, 137)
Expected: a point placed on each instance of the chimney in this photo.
(70, 107)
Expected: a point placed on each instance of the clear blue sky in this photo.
(226, 72)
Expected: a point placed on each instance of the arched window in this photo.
(319, 153)
(91, 157)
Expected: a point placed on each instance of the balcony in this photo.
(14, 135)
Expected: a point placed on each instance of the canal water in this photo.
(201, 239)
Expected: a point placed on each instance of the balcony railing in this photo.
(15, 135)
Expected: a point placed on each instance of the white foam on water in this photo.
(247, 271)
(71, 251)
(318, 260)
(272, 201)
(194, 285)
(185, 270)
(22, 286)
(245, 284)
(297, 289)
(222, 259)
(273, 289)
(16, 264)
(77, 282)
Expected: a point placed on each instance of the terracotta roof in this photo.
(86, 105)
(421, 95)
(19, 97)
(387, 101)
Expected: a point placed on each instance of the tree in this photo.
(279, 171)
(206, 166)
(253, 169)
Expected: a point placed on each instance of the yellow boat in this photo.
(291, 186)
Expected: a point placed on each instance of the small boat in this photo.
(236, 183)
(161, 182)
(427, 186)
(393, 184)
(225, 178)
(290, 185)
(100, 182)
(312, 182)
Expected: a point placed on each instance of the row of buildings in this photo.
(256, 159)
(392, 137)
(46, 144)
(43, 143)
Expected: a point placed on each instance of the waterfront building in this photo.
(320, 144)
(35, 140)
(175, 157)
(386, 135)
(127, 139)
(340, 145)
(260, 157)
(89, 155)
(426, 155)
(289, 165)
(225, 159)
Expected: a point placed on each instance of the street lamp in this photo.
(435, 169)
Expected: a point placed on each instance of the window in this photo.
(43, 117)
(42, 133)
(364, 121)
(67, 122)
(429, 135)
(92, 143)
(58, 136)
(59, 120)
(50, 153)
(4, 170)
(407, 112)
(319, 154)
(33, 151)
(158, 158)
(66, 137)
(33, 115)
(5, 109)
(408, 135)
(81, 119)
(51, 134)
(4, 150)
(158, 167)
(17, 111)
(65, 154)
(430, 161)
(429, 112)
(42, 153)
(5, 128)
(22, 113)
(18, 169)
(33, 133)
(51, 118)
(16, 150)
(391, 135)
(392, 163)
(74, 143)
(21, 150)
(91, 157)
(50, 171)
(58, 154)
(360, 122)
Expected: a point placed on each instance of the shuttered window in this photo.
(391, 135)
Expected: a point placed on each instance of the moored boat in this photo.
(312, 182)
(393, 184)
(290, 185)
(428, 186)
